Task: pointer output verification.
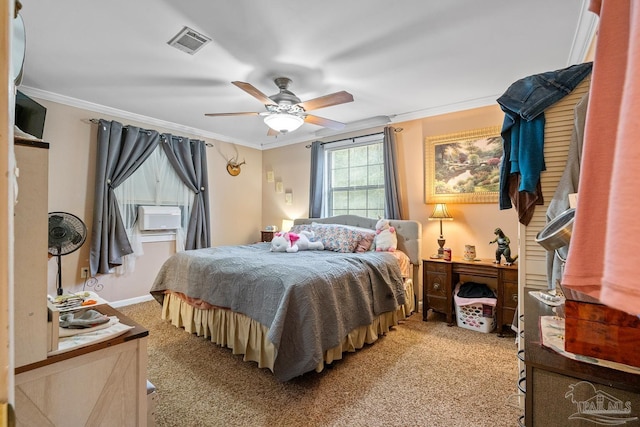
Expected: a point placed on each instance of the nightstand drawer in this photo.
(440, 305)
(437, 267)
(437, 285)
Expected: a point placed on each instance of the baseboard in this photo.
(130, 301)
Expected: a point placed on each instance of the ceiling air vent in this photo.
(188, 40)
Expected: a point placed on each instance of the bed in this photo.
(294, 312)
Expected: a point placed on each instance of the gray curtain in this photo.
(189, 159)
(392, 207)
(317, 180)
(121, 150)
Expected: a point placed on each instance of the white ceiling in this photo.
(401, 60)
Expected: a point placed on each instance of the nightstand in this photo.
(266, 236)
(437, 288)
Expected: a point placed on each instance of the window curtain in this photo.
(155, 182)
(317, 180)
(121, 150)
(189, 159)
(392, 207)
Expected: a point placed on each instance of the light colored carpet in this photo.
(419, 374)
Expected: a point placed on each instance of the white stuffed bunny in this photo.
(293, 242)
(386, 239)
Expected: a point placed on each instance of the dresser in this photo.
(440, 278)
(560, 391)
(101, 384)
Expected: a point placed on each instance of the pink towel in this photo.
(608, 204)
(469, 301)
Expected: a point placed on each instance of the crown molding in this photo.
(102, 109)
(584, 36)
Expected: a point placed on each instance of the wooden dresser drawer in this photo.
(440, 305)
(437, 285)
(437, 267)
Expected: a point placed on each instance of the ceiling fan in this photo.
(285, 112)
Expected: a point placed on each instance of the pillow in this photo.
(336, 237)
(365, 243)
(301, 227)
(367, 237)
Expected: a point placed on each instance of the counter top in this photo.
(538, 356)
(136, 333)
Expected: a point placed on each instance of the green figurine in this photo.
(503, 248)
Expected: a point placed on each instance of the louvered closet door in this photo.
(532, 270)
(557, 137)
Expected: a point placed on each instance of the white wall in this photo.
(473, 223)
(236, 202)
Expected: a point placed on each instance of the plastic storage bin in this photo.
(477, 317)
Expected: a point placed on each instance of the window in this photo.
(355, 179)
(155, 182)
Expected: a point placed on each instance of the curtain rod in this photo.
(96, 121)
(356, 137)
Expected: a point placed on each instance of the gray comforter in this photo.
(309, 300)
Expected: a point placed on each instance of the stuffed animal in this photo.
(293, 242)
(386, 238)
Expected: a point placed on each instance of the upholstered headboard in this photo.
(409, 235)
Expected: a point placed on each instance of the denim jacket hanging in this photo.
(522, 131)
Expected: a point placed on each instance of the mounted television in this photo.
(29, 115)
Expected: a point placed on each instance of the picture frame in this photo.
(463, 167)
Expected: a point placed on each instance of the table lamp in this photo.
(286, 225)
(440, 213)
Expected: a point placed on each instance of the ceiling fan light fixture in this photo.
(282, 122)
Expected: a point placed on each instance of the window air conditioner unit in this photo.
(159, 217)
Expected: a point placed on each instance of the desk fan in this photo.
(67, 233)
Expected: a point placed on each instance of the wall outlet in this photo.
(84, 272)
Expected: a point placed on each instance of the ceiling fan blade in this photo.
(253, 91)
(246, 113)
(321, 121)
(327, 101)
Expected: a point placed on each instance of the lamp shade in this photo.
(286, 225)
(283, 122)
(441, 213)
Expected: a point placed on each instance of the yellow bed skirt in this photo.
(248, 337)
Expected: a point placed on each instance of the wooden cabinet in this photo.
(438, 294)
(440, 278)
(562, 392)
(103, 384)
(266, 236)
(30, 252)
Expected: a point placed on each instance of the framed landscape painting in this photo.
(463, 167)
